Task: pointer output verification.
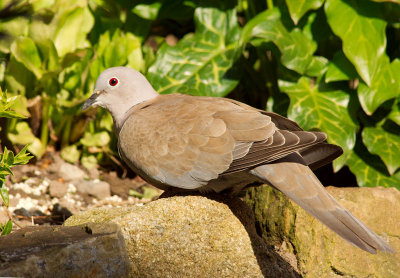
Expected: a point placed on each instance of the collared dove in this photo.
(218, 144)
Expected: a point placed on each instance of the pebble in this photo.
(69, 172)
(57, 189)
(95, 188)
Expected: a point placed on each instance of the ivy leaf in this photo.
(385, 144)
(385, 85)
(340, 69)
(147, 11)
(297, 8)
(322, 110)
(368, 175)
(26, 52)
(362, 32)
(199, 63)
(395, 113)
(317, 67)
(296, 48)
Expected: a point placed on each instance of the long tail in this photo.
(299, 183)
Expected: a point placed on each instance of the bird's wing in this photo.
(186, 141)
(180, 141)
(299, 183)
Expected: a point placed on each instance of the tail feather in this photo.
(299, 183)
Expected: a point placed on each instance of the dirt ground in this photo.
(51, 190)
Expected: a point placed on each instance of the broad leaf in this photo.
(340, 69)
(362, 32)
(385, 144)
(26, 52)
(322, 110)
(295, 47)
(395, 113)
(70, 154)
(385, 85)
(147, 11)
(297, 8)
(317, 67)
(200, 62)
(72, 28)
(367, 175)
(23, 135)
(99, 139)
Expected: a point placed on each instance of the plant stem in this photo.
(44, 134)
(270, 4)
(66, 131)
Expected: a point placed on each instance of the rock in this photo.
(57, 189)
(69, 172)
(192, 236)
(319, 251)
(96, 188)
(93, 250)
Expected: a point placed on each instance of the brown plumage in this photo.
(218, 144)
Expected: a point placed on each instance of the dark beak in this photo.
(90, 101)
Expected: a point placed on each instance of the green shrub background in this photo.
(330, 65)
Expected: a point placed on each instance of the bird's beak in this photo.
(92, 100)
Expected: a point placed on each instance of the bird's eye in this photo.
(113, 81)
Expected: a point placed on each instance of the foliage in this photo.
(331, 65)
(7, 158)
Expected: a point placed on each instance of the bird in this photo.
(219, 145)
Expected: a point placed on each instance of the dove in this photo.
(211, 144)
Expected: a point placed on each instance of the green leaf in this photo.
(23, 135)
(385, 85)
(4, 196)
(72, 28)
(317, 67)
(149, 192)
(395, 113)
(200, 62)
(22, 157)
(7, 228)
(385, 144)
(362, 32)
(367, 175)
(323, 110)
(89, 162)
(147, 11)
(99, 139)
(296, 48)
(26, 52)
(70, 154)
(340, 69)
(297, 8)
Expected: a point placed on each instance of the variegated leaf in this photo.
(200, 62)
(325, 111)
(385, 144)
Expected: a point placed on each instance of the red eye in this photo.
(113, 81)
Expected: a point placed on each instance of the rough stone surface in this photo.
(319, 251)
(69, 172)
(192, 236)
(92, 250)
(57, 189)
(96, 188)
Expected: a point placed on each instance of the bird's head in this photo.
(118, 89)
